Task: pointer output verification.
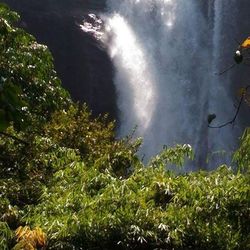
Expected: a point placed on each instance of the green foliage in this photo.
(242, 155)
(25, 168)
(175, 155)
(29, 88)
(152, 207)
(94, 138)
(75, 128)
(5, 236)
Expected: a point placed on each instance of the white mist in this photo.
(165, 54)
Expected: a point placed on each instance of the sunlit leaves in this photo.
(29, 87)
(29, 239)
(5, 235)
(152, 207)
(242, 155)
(176, 155)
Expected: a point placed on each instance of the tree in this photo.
(30, 90)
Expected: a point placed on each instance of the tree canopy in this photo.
(29, 87)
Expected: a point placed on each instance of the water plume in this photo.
(165, 53)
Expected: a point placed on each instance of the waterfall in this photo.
(220, 99)
(165, 54)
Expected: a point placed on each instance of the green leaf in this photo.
(4, 123)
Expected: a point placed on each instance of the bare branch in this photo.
(225, 70)
(236, 113)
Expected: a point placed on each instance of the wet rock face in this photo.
(82, 64)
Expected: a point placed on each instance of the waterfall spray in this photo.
(159, 70)
(165, 53)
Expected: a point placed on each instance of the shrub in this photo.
(152, 208)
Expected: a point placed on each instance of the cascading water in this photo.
(220, 99)
(165, 54)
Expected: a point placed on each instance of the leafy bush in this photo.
(5, 235)
(152, 208)
(242, 154)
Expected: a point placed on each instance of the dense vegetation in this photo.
(66, 182)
